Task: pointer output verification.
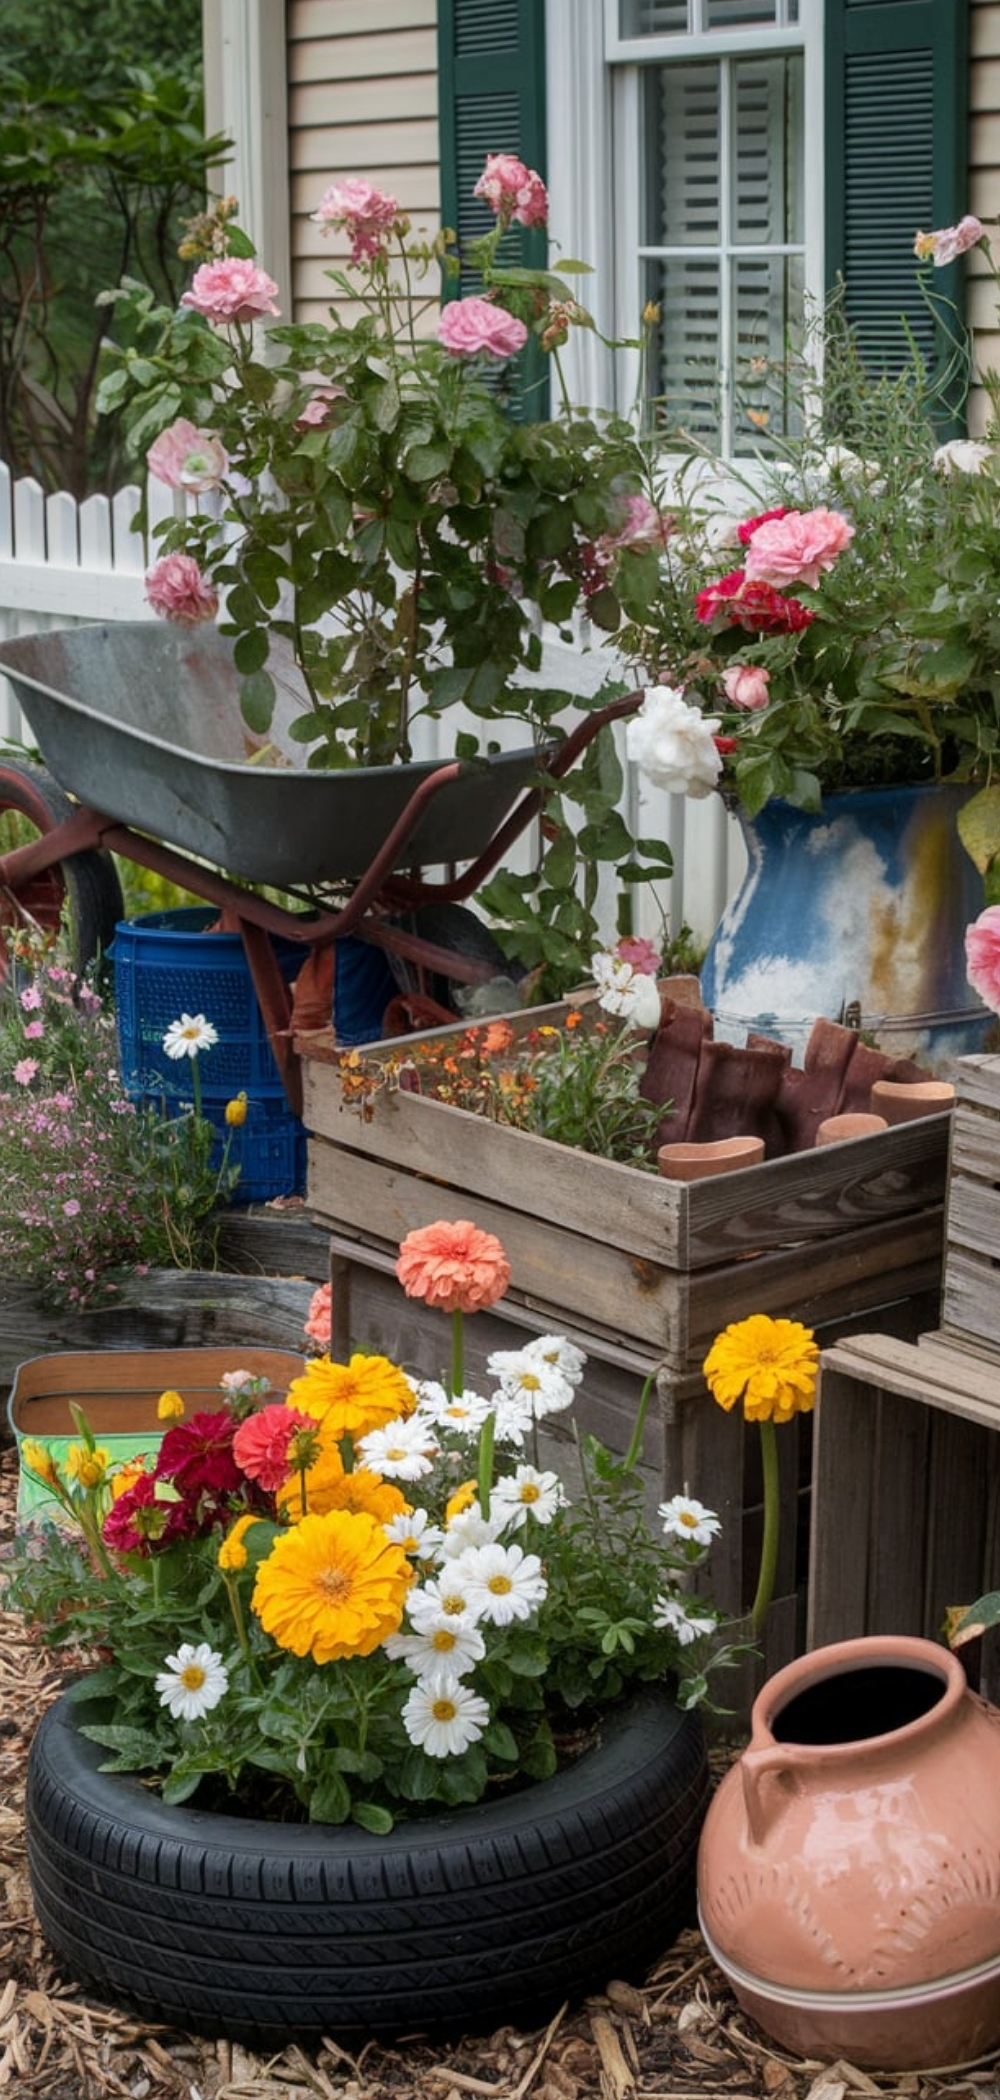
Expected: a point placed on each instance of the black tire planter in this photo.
(266, 1932)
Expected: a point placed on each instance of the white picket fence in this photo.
(63, 562)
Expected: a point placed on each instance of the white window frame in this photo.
(594, 134)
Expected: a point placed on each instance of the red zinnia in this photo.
(261, 1443)
(198, 1455)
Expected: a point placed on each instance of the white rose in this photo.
(673, 744)
(962, 456)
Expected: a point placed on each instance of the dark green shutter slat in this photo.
(897, 94)
(491, 70)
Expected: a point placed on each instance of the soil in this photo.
(677, 2036)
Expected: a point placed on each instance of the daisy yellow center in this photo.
(531, 1381)
(687, 1516)
(500, 1585)
(444, 1709)
(334, 1582)
(190, 1034)
(529, 1492)
(192, 1677)
(396, 1453)
(443, 1639)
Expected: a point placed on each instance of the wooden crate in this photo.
(971, 1299)
(905, 1489)
(620, 1255)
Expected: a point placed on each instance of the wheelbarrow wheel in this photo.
(80, 896)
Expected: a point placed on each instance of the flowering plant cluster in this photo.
(372, 1592)
(375, 532)
(831, 621)
(575, 1079)
(94, 1186)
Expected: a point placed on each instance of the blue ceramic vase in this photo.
(857, 914)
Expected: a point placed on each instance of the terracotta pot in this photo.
(900, 1103)
(849, 1869)
(837, 1129)
(718, 1156)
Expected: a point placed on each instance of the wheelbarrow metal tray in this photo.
(142, 723)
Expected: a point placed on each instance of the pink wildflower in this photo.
(468, 326)
(34, 1031)
(25, 1070)
(231, 290)
(31, 998)
(177, 590)
(641, 955)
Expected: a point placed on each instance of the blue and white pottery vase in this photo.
(857, 914)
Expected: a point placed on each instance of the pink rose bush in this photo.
(798, 548)
(177, 590)
(515, 193)
(982, 956)
(231, 290)
(365, 214)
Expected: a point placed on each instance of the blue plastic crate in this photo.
(166, 964)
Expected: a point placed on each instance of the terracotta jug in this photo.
(849, 1869)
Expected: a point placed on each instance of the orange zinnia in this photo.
(453, 1266)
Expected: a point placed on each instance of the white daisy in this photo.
(184, 1038)
(461, 1411)
(673, 1615)
(413, 1530)
(194, 1681)
(401, 1450)
(502, 1582)
(443, 1643)
(539, 1385)
(512, 1418)
(442, 1716)
(445, 1596)
(564, 1356)
(527, 1493)
(684, 1518)
(470, 1528)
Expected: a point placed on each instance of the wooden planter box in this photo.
(640, 1271)
(971, 1302)
(905, 1490)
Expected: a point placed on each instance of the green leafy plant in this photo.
(369, 1595)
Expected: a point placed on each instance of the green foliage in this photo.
(102, 158)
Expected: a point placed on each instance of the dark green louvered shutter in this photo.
(491, 66)
(897, 97)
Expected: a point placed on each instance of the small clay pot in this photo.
(901, 1102)
(837, 1129)
(716, 1156)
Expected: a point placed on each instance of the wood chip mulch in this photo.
(680, 2036)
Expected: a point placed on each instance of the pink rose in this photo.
(177, 590)
(746, 685)
(231, 290)
(513, 191)
(468, 326)
(365, 213)
(949, 241)
(316, 410)
(982, 956)
(642, 526)
(797, 548)
(187, 458)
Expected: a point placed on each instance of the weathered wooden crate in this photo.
(971, 1299)
(641, 1272)
(905, 1489)
(622, 1255)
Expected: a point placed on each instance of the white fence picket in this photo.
(62, 563)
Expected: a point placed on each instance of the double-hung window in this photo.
(711, 120)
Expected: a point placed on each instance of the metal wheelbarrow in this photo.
(146, 755)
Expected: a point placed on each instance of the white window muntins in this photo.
(718, 222)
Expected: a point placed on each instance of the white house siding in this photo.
(362, 100)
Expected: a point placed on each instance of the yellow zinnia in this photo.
(333, 1586)
(328, 1487)
(463, 1498)
(232, 1554)
(771, 1365)
(350, 1399)
(170, 1406)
